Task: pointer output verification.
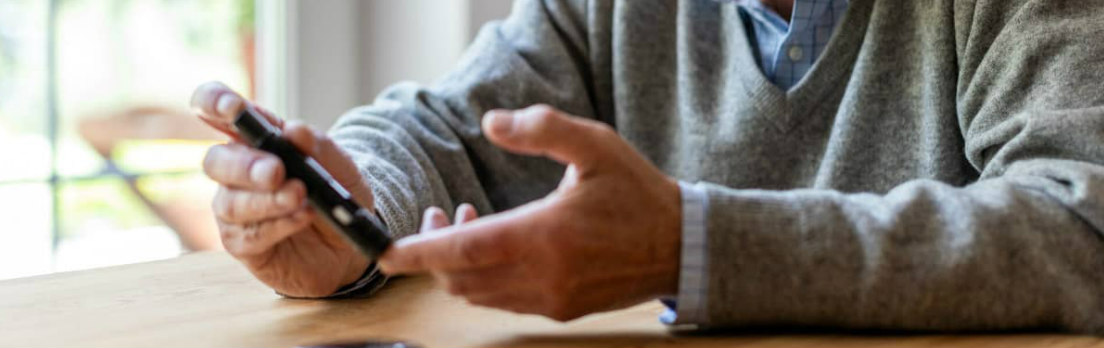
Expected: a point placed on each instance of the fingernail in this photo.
(433, 219)
(263, 170)
(228, 104)
(462, 213)
(502, 122)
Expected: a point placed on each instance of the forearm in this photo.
(422, 146)
(400, 170)
(418, 147)
(1010, 252)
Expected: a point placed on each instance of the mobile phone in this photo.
(358, 225)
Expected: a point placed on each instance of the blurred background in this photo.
(99, 153)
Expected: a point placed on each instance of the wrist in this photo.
(355, 270)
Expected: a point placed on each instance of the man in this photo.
(935, 165)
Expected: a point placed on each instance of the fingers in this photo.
(245, 207)
(476, 244)
(208, 99)
(465, 213)
(241, 167)
(303, 137)
(542, 130)
(433, 219)
(217, 105)
(254, 239)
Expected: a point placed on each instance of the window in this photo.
(99, 154)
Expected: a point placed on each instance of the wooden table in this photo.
(208, 300)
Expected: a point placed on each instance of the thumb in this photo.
(329, 155)
(542, 130)
(218, 105)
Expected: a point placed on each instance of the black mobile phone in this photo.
(358, 225)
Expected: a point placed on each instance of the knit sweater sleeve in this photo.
(1020, 247)
(422, 146)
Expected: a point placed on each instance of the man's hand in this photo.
(607, 238)
(263, 218)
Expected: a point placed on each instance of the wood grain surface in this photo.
(208, 300)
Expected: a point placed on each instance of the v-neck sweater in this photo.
(939, 168)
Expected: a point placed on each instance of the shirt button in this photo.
(796, 53)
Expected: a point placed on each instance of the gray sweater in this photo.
(938, 169)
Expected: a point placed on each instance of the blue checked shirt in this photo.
(786, 53)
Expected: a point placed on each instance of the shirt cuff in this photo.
(690, 304)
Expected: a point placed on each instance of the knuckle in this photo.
(231, 241)
(298, 191)
(211, 160)
(260, 203)
(323, 139)
(222, 204)
(602, 130)
(455, 287)
(296, 126)
(287, 226)
(256, 203)
(542, 117)
(320, 135)
(253, 234)
(242, 206)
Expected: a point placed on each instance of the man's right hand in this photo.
(263, 218)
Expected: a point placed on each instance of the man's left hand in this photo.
(608, 237)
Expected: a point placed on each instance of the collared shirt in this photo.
(786, 52)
